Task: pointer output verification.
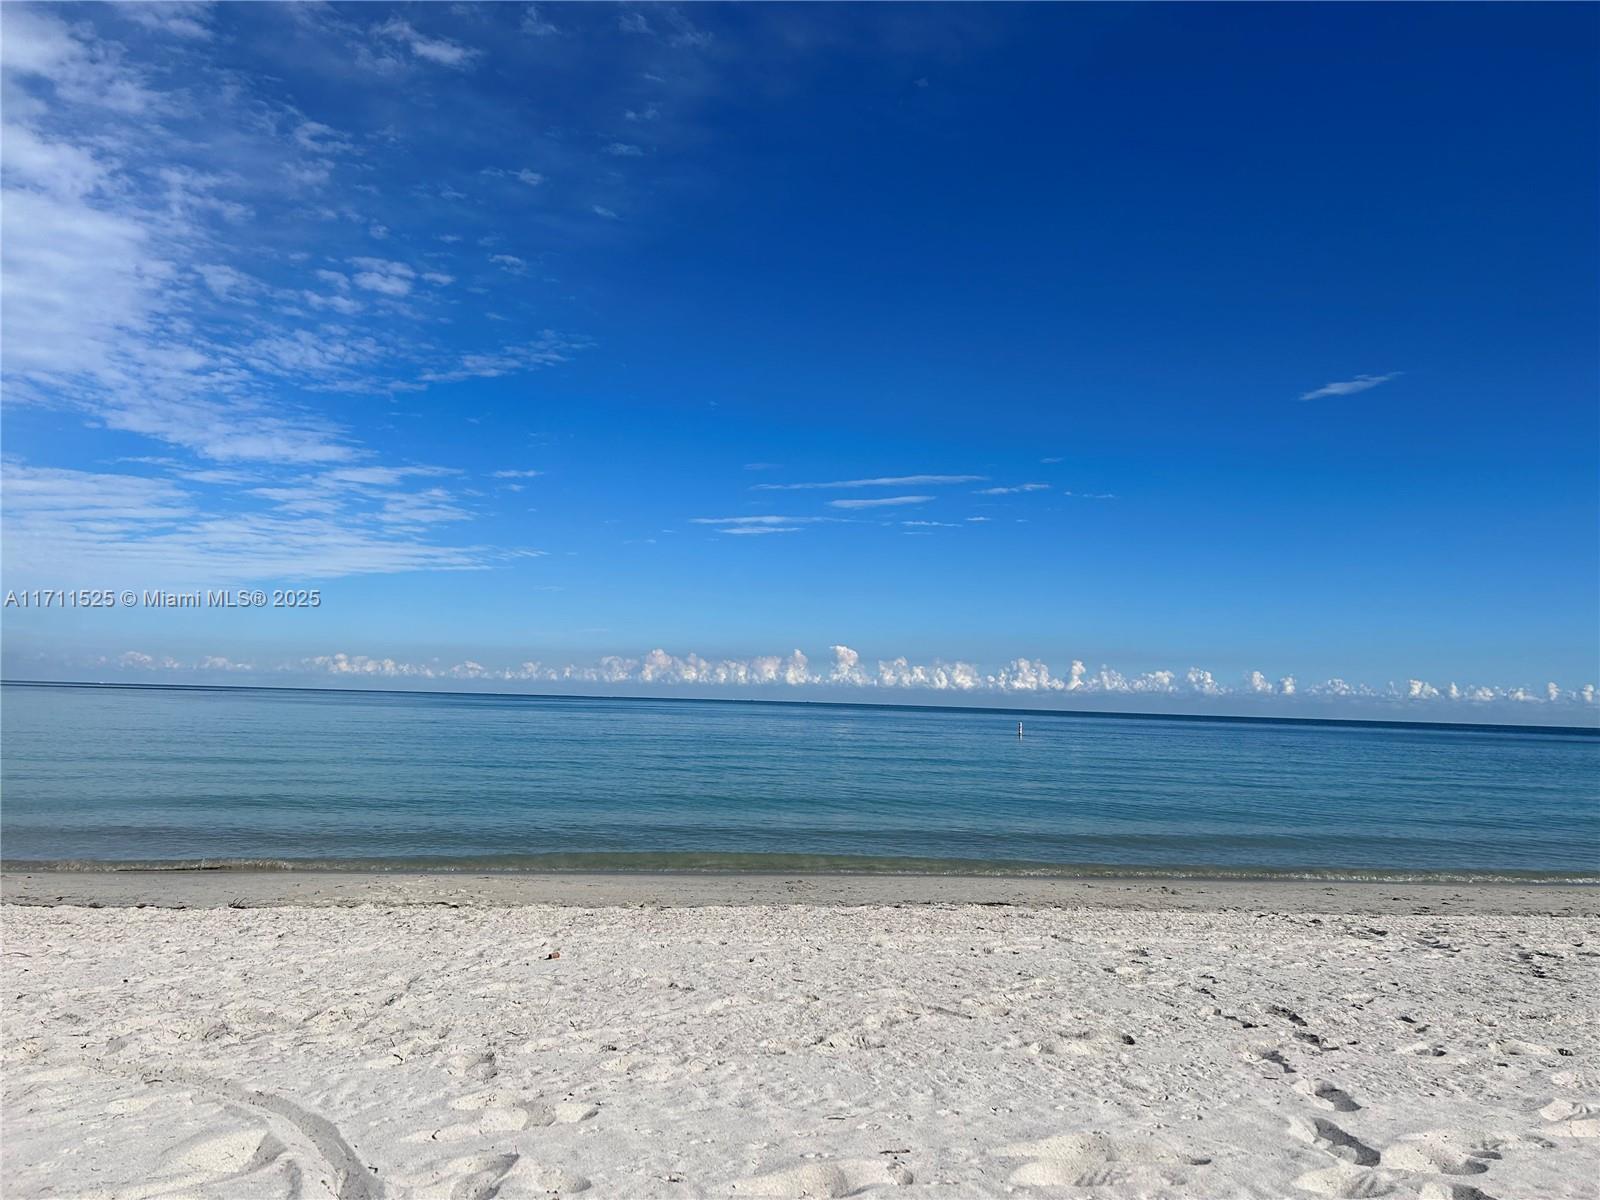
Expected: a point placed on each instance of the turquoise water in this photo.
(232, 776)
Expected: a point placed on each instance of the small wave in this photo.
(766, 864)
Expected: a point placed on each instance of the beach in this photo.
(245, 1034)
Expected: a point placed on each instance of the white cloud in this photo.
(1011, 491)
(81, 71)
(133, 303)
(182, 20)
(53, 167)
(63, 244)
(339, 304)
(881, 502)
(601, 210)
(849, 669)
(623, 150)
(881, 481)
(756, 520)
(138, 531)
(435, 50)
(522, 175)
(1349, 387)
(534, 24)
(321, 139)
(381, 275)
(1260, 685)
(548, 349)
(755, 526)
(516, 474)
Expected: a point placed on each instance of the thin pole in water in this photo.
(1019, 729)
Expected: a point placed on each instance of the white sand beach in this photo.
(366, 1037)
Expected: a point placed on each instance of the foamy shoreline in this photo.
(311, 1034)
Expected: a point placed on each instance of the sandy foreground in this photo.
(460, 1038)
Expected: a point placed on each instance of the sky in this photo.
(1193, 358)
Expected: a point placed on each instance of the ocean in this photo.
(284, 778)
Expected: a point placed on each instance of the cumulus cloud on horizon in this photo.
(847, 669)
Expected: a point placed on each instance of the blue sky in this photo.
(1204, 347)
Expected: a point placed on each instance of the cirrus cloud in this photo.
(1349, 387)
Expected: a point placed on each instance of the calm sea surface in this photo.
(252, 776)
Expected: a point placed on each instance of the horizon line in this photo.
(1373, 722)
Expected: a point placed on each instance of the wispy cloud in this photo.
(880, 502)
(1349, 387)
(534, 23)
(881, 481)
(522, 175)
(137, 531)
(381, 275)
(176, 18)
(757, 525)
(1013, 490)
(549, 349)
(187, 340)
(440, 51)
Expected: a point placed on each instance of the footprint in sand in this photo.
(1334, 1097)
(1078, 1045)
(1325, 1135)
(500, 1111)
(239, 1162)
(1566, 1110)
(1517, 1048)
(1098, 1160)
(1422, 1050)
(1454, 1152)
(137, 1104)
(1570, 1119)
(505, 1176)
(1346, 1182)
(844, 1178)
(473, 1064)
(570, 1112)
(1268, 1056)
(1583, 1079)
